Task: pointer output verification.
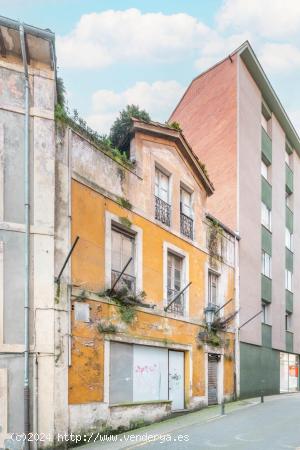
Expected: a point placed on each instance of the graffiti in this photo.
(175, 376)
(141, 370)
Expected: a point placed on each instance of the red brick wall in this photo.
(208, 116)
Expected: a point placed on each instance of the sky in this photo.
(112, 53)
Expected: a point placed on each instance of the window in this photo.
(265, 170)
(122, 249)
(265, 118)
(186, 213)
(289, 201)
(186, 203)
(175, 276)
(264, 123)
(161, 185)
(213, 280)
(266, 262)
(288, 239)
(288, 280)
(266, 217)
(288, 322)
(162, 198)
(265, 313)
(287, 158)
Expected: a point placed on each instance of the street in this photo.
(246, 425)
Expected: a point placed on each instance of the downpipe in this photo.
(27, 238)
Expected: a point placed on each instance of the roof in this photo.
(245, 51)
(40, 43)
(167, 132)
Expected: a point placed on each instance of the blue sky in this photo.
(115, 52)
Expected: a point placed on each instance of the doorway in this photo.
(213, 361)
(176, 379)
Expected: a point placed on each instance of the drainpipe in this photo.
(237, 322)
(27, 236)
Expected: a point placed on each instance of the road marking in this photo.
(239, 438)
(215, 418)
(289, 446)
(210, 444)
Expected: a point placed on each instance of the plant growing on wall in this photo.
(216, 335)
(121, 128)
(175, 126)
(106, 327)
(126, 222)
(63, 117)
(214, 242)
(126, 302)
(124, 203)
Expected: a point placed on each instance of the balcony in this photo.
(186, 226)
(266, 289)
(289, 179)
(289, 301)
(266, 192)
(289, 259)
(126, 281)
(289, 218)
(266, 145)
(289, 341)
(177, 307)
(266, 335)
(266, 240)
(162, 211)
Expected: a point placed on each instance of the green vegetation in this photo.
(64, 117)
(121, 128)
(124, 203)
(175, 126)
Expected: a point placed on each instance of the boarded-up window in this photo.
(137, 373)
(150, 373)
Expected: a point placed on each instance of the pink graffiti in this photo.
(146, 369)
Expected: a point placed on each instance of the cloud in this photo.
(219, 47)
(101, 39)
(295, 119)
(158, 99)
(279, 57)
(269, 18)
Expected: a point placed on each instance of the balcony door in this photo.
(122, 248)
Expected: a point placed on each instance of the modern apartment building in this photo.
(237, 126)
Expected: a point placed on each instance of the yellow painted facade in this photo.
(86, 374)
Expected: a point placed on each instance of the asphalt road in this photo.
(272, 425)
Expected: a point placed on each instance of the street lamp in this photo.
(209, 313)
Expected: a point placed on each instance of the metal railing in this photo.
(162, 211)
(177, 307)
(186, 226)
(125, 281)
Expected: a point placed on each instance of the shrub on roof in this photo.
(121, 128)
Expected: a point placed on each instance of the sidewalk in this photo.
(136, 438)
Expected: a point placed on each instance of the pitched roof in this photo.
(167, 132)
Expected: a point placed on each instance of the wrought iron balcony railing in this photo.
(177, 307)
(186, 226)
(126, 281)
(162, 211)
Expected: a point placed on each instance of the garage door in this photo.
(213, 379)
